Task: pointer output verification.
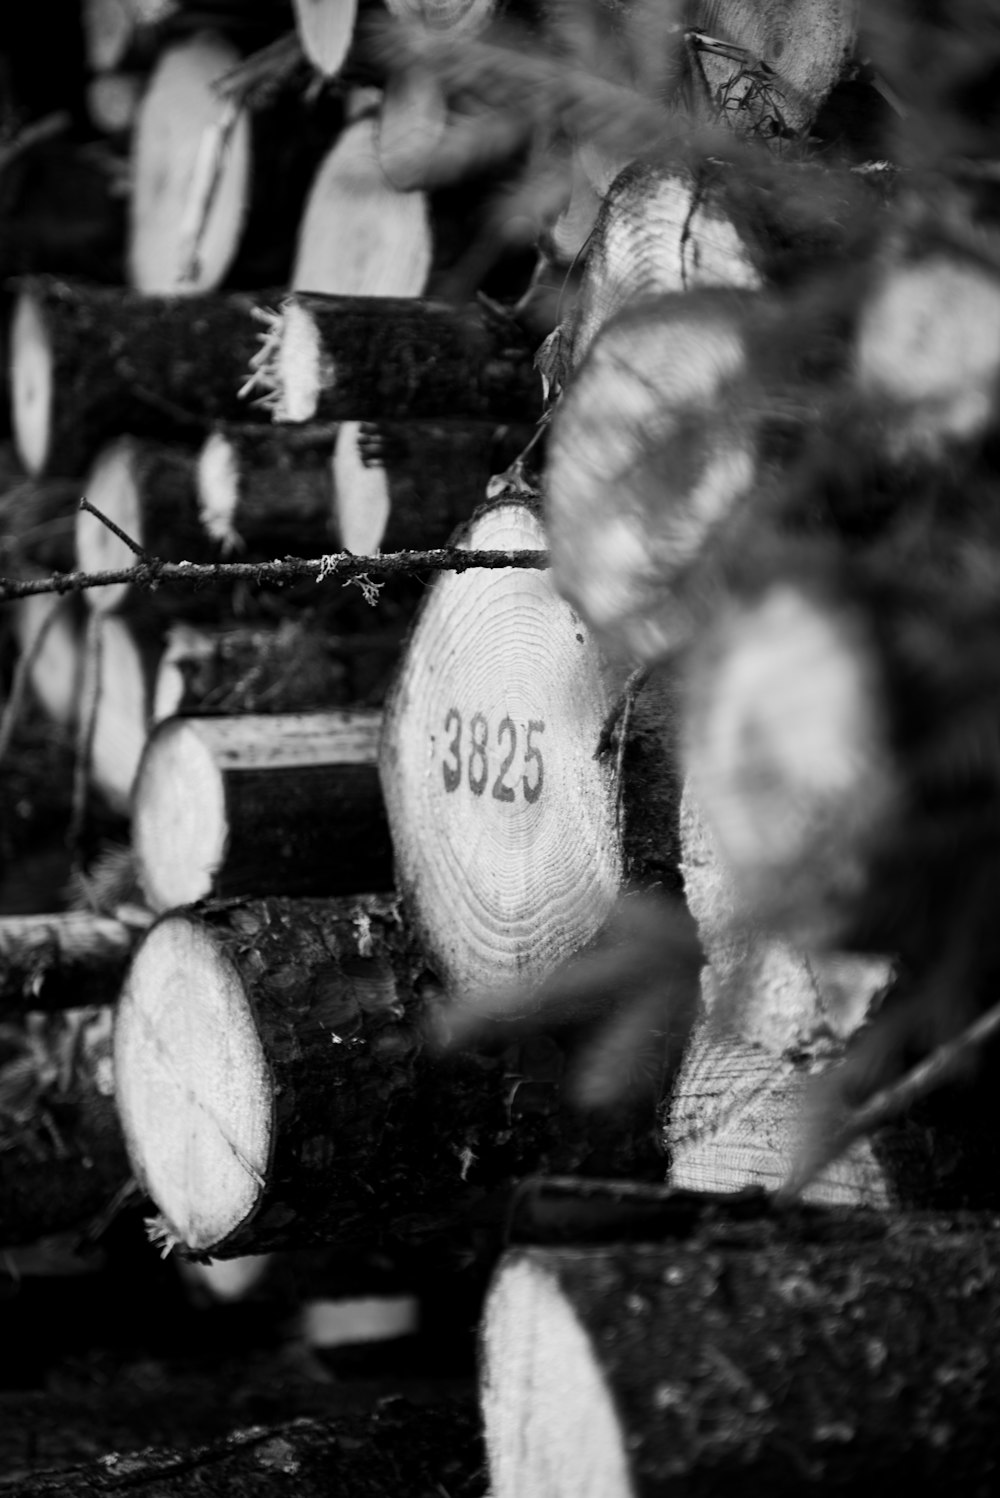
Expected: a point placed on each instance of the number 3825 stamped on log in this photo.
(498, 758)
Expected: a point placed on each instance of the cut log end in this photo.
(361, 236)
(788, 759)
(297, 366)
(110, 488)
(192, 168)
(928, 344)
(455, 17)
(644, 460)
(503, 821)
(123, 669)
(31, 378)
(193, 1088)
(218, 488)
(179, 829)
(325, 29)
(540, 1374)
(361, 494)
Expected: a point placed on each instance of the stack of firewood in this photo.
(669, 296)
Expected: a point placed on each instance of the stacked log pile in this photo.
(665, 794)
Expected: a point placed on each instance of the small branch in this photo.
(116, 530)
(885, 1104)
(338, 565)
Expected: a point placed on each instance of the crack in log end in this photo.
(299, 372)
(193, 1084)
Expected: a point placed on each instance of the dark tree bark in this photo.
(817, 1353)
(89, 362)
(286, 1091)
(432, 1449)
(364, 358)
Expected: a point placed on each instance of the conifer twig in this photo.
(116, 530)
(337, 565)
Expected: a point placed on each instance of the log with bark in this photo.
(296, 665)
(89, 362)
(62, 1157)
(267, 491)
(278, 1088)
(282, 804)
(819, 1351)
(433, 1448)
(409, 484)
(513, 840)
(367, 358)
(67, 960)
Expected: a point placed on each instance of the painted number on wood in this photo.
(471, 758)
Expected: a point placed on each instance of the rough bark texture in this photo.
(155, 366)
(66, 960)
(429, 1449)
(376, 357)
(819, 1353)
(374, 1135)
(291, 667)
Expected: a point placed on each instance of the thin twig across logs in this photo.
(339, 566)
